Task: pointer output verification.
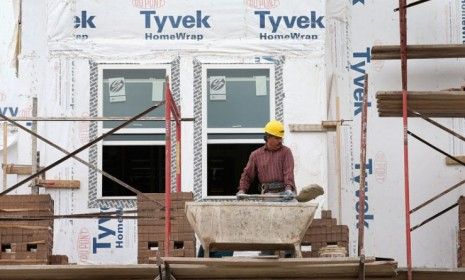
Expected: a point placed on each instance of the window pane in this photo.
(225, 165)
(133, 91)
(142, 167)
(238, 98)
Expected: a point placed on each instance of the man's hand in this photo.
(288, 195)
(239, 194)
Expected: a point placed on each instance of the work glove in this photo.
(239, 194)
(288, 195)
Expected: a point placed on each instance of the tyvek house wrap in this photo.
(322, 55)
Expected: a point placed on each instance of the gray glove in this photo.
(288, 195)
(239, 194)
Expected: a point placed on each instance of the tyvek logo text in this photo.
(109, 236)
(160, 22)
(282, 23)
(368, 217)
(359, 68)
(84, 21)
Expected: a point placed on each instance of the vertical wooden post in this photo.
(403, 57)
(166, 246)
(34, 187)
(363, 153)
(338, 159)
(178, 154)
(5, 153)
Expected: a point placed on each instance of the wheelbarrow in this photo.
(250, 225)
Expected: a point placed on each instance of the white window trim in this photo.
(136, 130)
(134, 143)
(206, 130)
(235, 130)
(236, 141)
(100, 129)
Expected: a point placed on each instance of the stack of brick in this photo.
(461, 233)
(151, 227)
(23, 239)
(323, 232)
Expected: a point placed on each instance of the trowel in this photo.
(307, 193)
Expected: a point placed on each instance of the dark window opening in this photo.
(142, 167)
(225, 165)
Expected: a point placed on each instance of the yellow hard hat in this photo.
(275, 128)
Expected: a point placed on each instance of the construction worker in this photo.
(272, 164)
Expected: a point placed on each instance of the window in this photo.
(127, 92)
(238, 98)
(136, 153)
(240, 101)
(142, 167)
(225, 165)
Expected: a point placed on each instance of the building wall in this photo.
(56, 66)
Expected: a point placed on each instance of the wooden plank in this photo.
(24, 227)
(36, 242)
(330, 125)
(59, 184)
(378, 270)
(70, 272)
(12, 210)
(19, 169)
(149, 272)
(5, 154)
(306, 128)
(418, 51)
(433, 273)
(448, 104)
(450, 161)
(323, 127)
(22, 261)
(306, 268)
(240, 261)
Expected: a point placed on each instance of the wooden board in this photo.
(19, 169)
(150, 271)
(59, 184)
(258, 268)
(418, 51)
(450, 161)
(441, 104)
(70, 272)
(323, 127)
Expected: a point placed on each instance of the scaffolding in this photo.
(412, 104)
(35, 172)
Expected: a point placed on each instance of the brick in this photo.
(58, 259)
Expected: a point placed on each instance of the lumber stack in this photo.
(323, 232)
(151, 227)
(461, 233)
(440, 104)
(23, 239)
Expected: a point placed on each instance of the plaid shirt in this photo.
(270, 167)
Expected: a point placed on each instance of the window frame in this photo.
(101, 68)
(206, 130)
(123, 131)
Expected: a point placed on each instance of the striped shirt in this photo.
(270, 167)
